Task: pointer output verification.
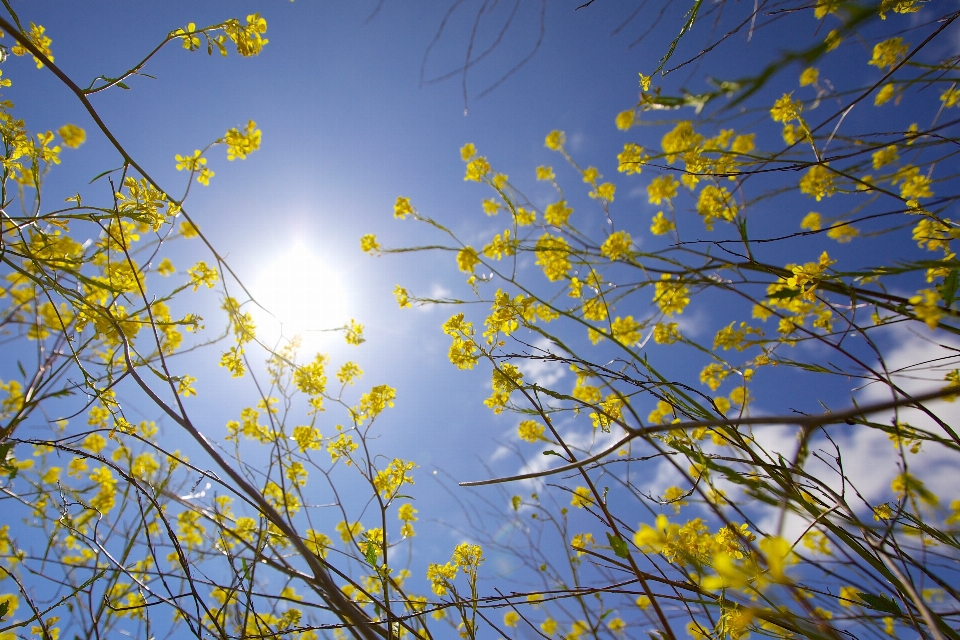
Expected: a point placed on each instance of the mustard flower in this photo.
(553, 255)
(617, 245)
(582, 497)
(818, 182)
(888, 53)
(402, 208)
(555, 140)
(786, 109)
(241, 144)
(661, 225)
(72, 135)
(467, 259)
(662, 188)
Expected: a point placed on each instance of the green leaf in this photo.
(100, 175)
(123, 86)
(880, 603)
(784, 293)
(371, 555)
(551, 452)
(948, 290)
(4, 607)
(618, 545)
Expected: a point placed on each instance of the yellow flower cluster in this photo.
(553, 255)
(670, 295)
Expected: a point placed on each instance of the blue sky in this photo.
(347, 127)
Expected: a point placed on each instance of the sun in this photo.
(301, 295)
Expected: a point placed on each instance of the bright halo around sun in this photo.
(304, 294)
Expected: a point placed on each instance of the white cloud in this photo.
(580, 439)
(542, 372)
(437, 292)
(869, 458)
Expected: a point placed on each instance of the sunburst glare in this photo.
(302, 295)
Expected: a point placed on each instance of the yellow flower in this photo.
(247, 38)
(849, 596)
(530, 431)
(811, 221)
(617, 245)
(467, 259)
(662, 188)
(307, 438)
(545, 173)
(666, 333)
(240, 145)
(716, 203)
(72, 135)
(823, 7)
(631, 159)
(557, 213)
(809, 77)
(341, 447)
(743, 143)
(165, 268)
(661, 225)
(818, 182)
(680, 140)
(713, 374)
(582, 497)
(369, 244)
(440, 577)
(786, 109)
(581, 541)
(555, 140)
(318, 543)
(888, 53)
(468, 151)
(625, 119)
(348, 373)
(833, 40)
(511, 618)
(549, 626)
(553, 255)
(898, 6)
(843, 233)
(645, 82)
(37, 36)
(908, 485)
(525, 217)
(491, 207)
(403, 298)
(950, 98)
(200, 274)
(402, 208)
(671, 297)
(604, 191)
(883, 512)
(883, 96)
(914, 185)
(885, 156)
(190, 163)
(477, 169)
(188, 229)
(626, 330)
